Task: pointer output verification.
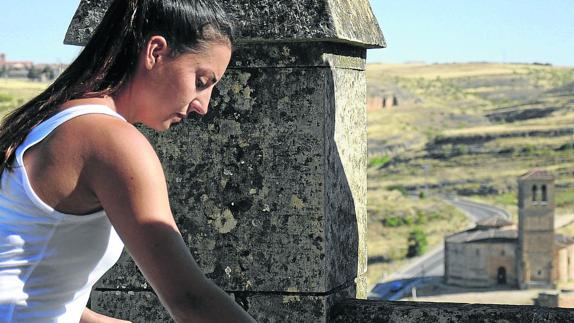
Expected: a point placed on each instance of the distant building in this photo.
(29, 70)
(24, 65)
(374, 103)
(495, 253)
(377, 102)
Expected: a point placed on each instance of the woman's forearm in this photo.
(89, 316)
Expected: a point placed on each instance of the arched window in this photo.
(544, 194)
(534, 192)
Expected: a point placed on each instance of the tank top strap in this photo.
(43, 129)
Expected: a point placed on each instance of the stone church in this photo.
(495, 252)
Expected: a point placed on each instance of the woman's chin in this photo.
(160, 127)
(163, 125)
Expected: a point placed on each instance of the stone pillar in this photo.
(269, 188)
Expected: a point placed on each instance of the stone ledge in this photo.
(421, 312)
(144, 305)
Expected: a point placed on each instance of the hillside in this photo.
(465, 129)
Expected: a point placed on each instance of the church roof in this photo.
(537, 173)
(493, 222)
(563, 241)
(498, 235)
(490, 235)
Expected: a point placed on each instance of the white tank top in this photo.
(49, 261)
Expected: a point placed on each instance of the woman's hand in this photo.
(89, 316)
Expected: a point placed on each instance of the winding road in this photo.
(431, 264)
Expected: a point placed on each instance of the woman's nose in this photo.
(198, 107)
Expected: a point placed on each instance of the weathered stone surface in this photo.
(419, 312)
(260, 188)
(280, 55)
(124, 275)
(136, 306)
(85, 20)
(294, 308)
(348, 21)
(346, 151)
(354, 21)
(361, 289)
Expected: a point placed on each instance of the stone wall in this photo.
(359, 311)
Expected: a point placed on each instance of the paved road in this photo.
(431, 263)
(477, 211)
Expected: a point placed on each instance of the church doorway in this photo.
(501, 276)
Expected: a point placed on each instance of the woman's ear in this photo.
(156, 51)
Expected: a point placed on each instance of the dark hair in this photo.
(110, 58)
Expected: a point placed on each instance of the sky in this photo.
(438, 31)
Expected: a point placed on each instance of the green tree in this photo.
(49, 72)
(33, 73)
(417, 242)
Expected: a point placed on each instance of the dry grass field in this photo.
(14, 93)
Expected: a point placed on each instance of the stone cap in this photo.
(265, 21)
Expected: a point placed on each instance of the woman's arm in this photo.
(125, 174)
(89, 316)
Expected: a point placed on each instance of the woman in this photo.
(78, 179)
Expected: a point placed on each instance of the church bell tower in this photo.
(535, 229)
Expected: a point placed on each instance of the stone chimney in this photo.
(269, 188)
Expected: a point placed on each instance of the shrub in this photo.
(33, 73)
(434, 216)
(421, 218)
(417, 243)
(393, 222)
(379, 161)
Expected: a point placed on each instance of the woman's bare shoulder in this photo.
(103, 136)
